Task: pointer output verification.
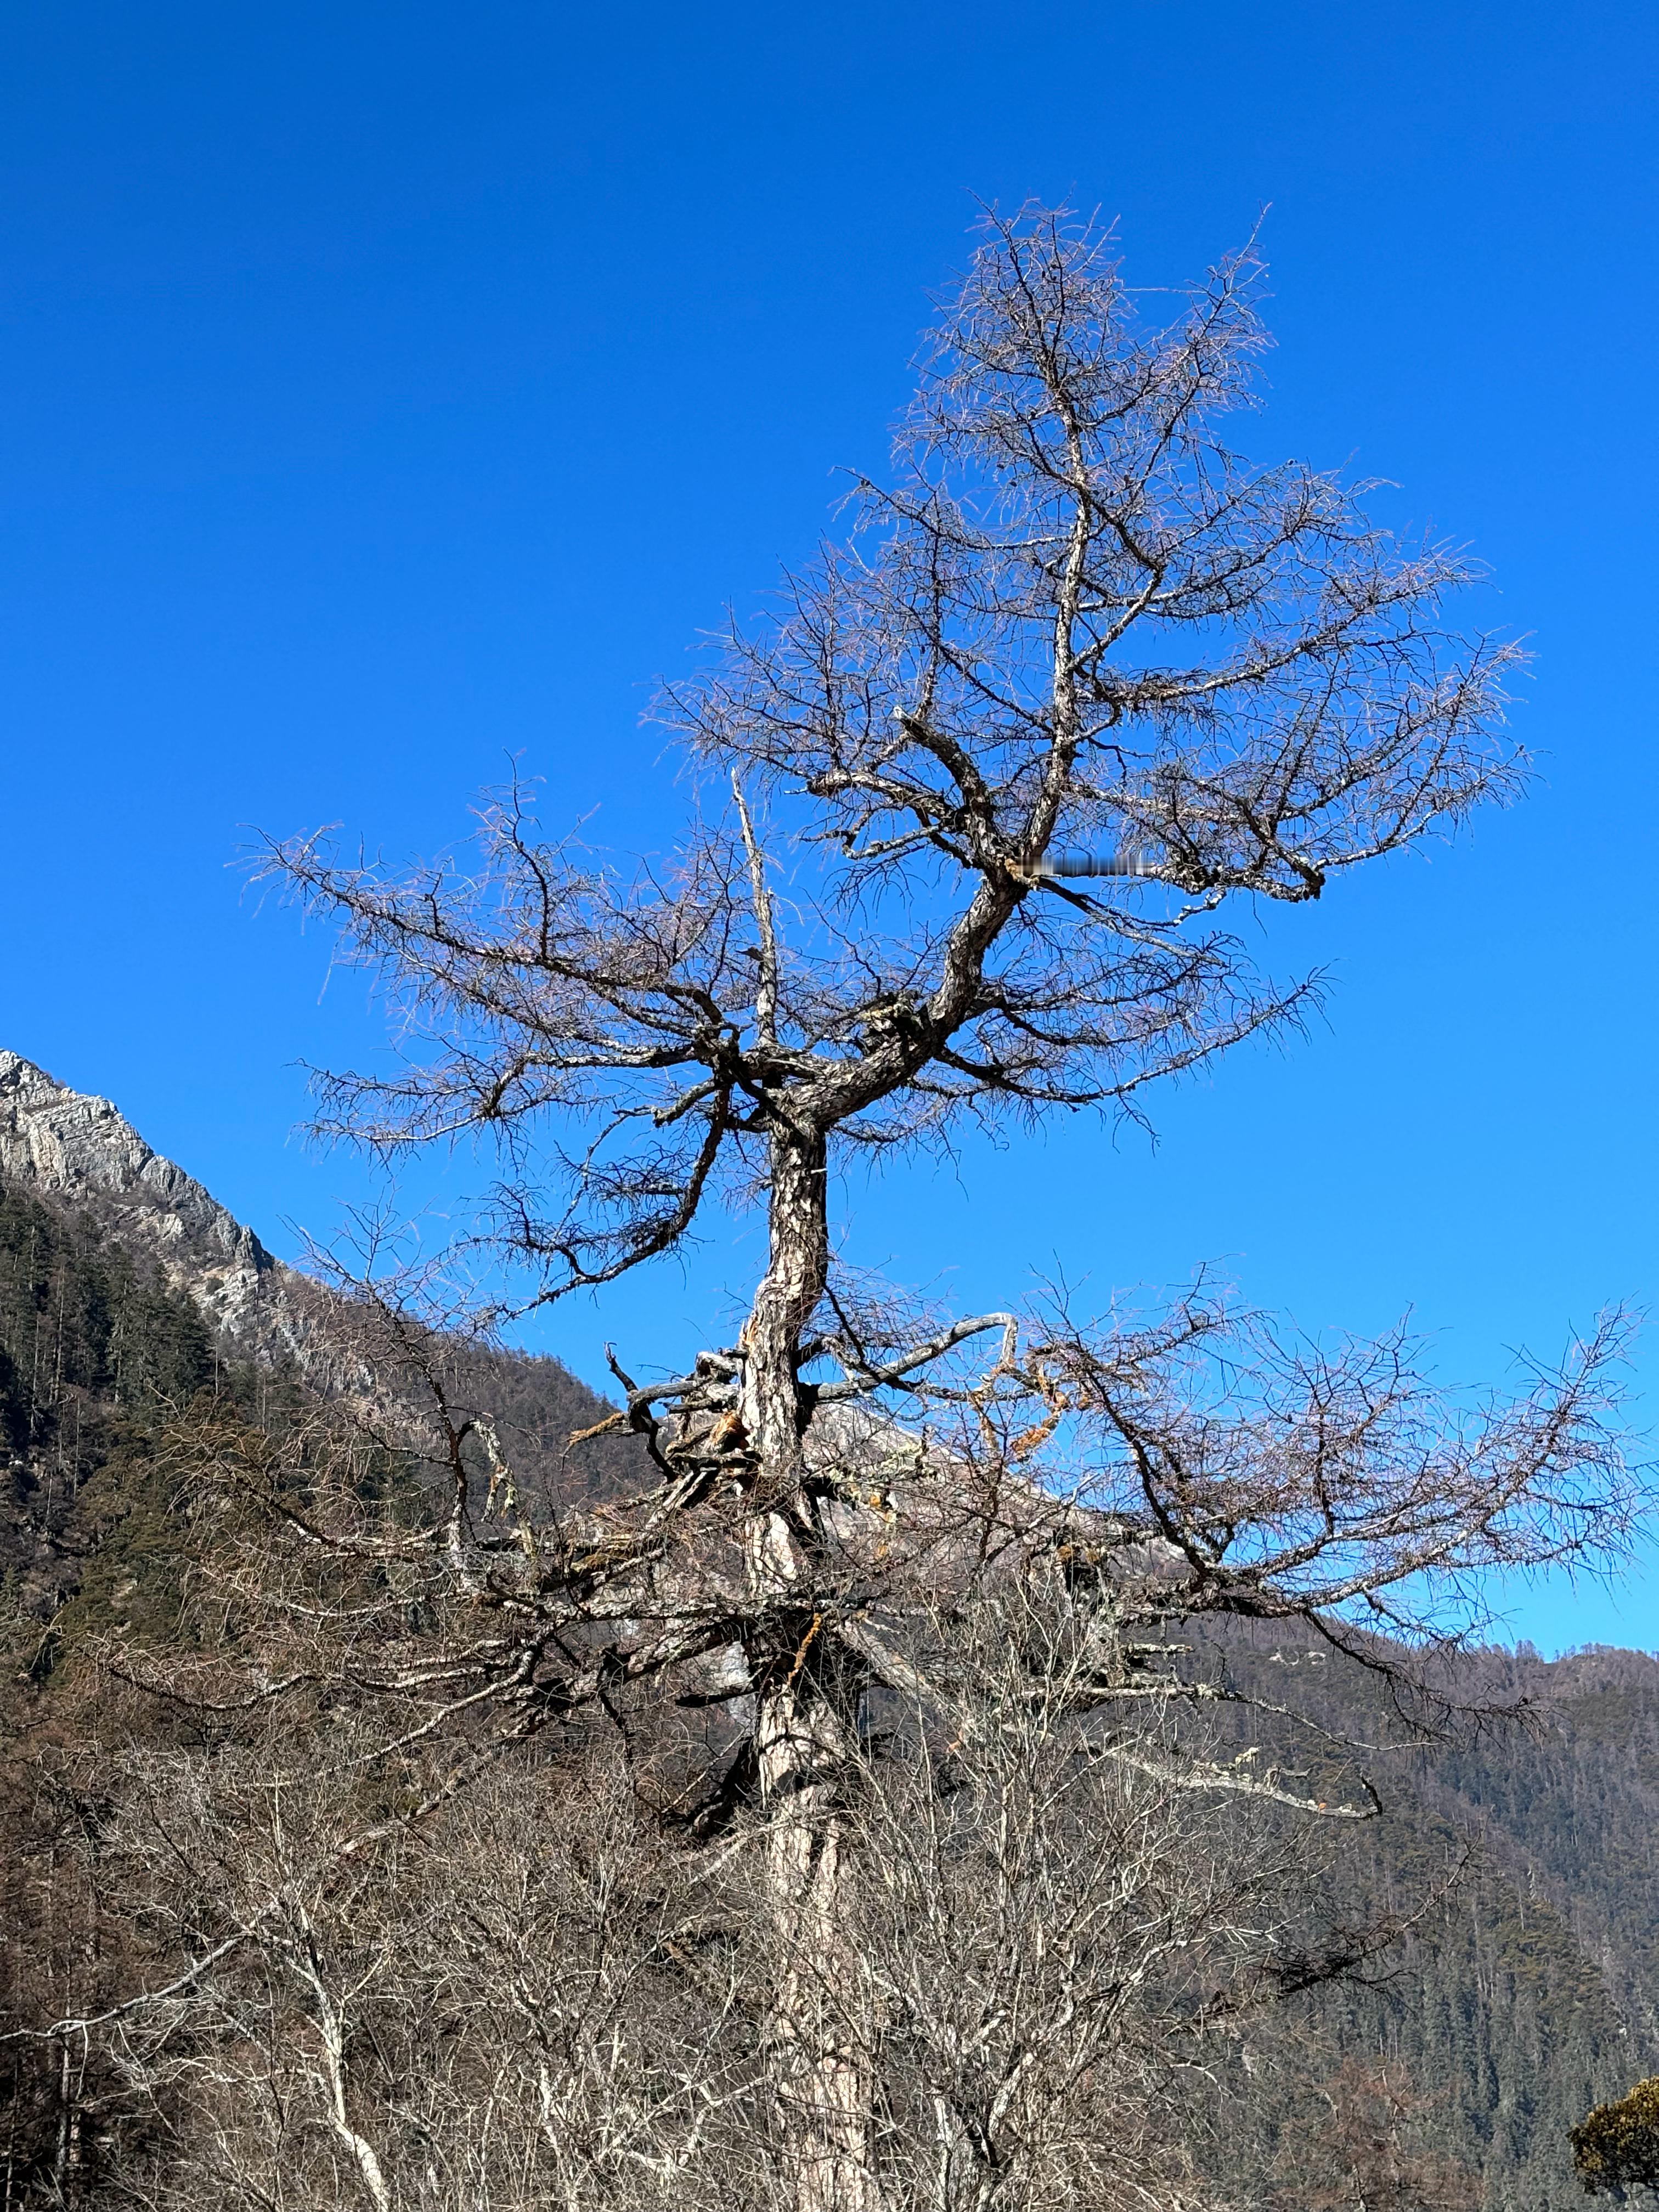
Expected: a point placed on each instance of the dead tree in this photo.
(1076, 636)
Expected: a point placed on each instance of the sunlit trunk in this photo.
(819, 2056)
(805, 1744)
(783, 1307)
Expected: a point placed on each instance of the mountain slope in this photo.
(79, 1152)
(95, 1225)
(1529, 1992)
(1533, 1990)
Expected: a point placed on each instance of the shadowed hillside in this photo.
(1529, 1990)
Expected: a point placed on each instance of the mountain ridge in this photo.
(75, 1147)
(77, 1154)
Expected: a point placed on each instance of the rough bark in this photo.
(823, 2080)
(783, 1307)
(805, 1745)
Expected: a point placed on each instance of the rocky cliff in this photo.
(82, 1152)
(80, 1156)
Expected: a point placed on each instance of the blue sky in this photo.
(386, 390)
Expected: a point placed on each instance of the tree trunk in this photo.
(784, 1305)
(804, 1743)
(820, 2057)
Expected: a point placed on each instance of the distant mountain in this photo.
(79, 1152)
(1531, 1990)
(97, 1188)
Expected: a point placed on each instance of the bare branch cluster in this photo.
(1075, 617)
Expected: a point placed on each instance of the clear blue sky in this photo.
(385, 389)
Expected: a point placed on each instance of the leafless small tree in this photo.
(538, 1994)
(1077, 637)
(483, 2009)
(1368, 2151)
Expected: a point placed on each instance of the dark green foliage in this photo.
(79, 1320)
(96, 1352)
(1492, 2007)
(1529, 1988)
(1617, 2147)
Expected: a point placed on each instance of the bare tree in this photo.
(465, 1884)
(1371, 2150)
(484, 2011)
(1077, 637)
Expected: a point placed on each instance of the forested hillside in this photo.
(1528, 1991)
(1447, 2070)
(102, 1359)
(94, 1347)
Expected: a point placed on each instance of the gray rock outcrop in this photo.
(81, 1155)
(81, 1152)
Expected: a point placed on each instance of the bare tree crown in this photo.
(1075, 634)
